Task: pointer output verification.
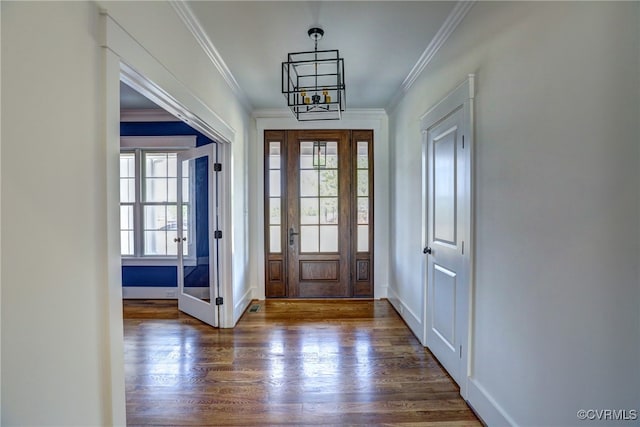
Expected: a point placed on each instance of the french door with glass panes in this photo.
(319, 214)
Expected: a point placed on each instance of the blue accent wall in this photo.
(166, 276)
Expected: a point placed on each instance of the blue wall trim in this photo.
(162, 129)
(149, 276)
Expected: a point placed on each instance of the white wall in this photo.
(53, 218)
(556, 322)
(178, 51)
(56, 341)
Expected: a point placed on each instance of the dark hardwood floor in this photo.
(291, 363)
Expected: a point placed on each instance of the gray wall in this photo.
(556, 321)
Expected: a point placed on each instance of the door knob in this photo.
(291, 234)
(426, 250)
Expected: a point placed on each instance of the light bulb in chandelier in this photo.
(327, 97)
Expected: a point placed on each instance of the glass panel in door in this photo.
(318, 200)
(196, 266)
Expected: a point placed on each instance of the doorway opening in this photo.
(170, 206)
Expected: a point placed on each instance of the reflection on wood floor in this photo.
(290, 363)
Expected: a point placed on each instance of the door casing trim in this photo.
(375, 119)
(461, 97)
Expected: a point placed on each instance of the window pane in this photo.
(156, 190)
(126, 217)
(309, 238)
(306, 155)
(127, 190)
(159, 223)
(274, 239)
(274, 183)
(185, 219)
(329, 183)
(274, 210)
(161, 165)
(363, 182)
(172, 165)
(126, 242)
(160, 177)
(274, 155)
(155, 217)
(127, 165)
(363, 210)
(172, 245)
(332, 154)
(329, 210)
(155, 242)
(309, 211)
(309, 183)
(126, 230)
(127, 177)
(329, 238)
(363, 155)
(172, 190)
(363, 238)
(185, 181)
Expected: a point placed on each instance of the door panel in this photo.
(444, 186)
(318, 214)
(445, 176)
(444, 305)
(318, 204)
(197, 266)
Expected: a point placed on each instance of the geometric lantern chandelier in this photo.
(313, 82)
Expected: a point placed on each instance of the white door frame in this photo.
(126, 59)
(461, 97)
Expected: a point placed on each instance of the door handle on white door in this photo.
(426, 250)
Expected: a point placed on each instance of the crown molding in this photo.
(193, 25)
(447, 28)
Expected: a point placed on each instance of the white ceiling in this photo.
(380, 42)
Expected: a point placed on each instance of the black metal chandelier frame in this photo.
(313, 82)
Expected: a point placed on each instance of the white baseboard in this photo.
(381, 292)
(159, 292)
(241, 305)
(491, 413)
(149, 292)
(411, 319)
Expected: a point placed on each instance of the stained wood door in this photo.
(318, 214)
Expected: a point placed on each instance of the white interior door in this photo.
(198, 273)
(447, 207)
(447, 229)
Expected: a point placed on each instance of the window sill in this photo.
(155, 261)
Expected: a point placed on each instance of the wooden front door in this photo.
(318, 214)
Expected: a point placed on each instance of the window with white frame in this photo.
(149, 200)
